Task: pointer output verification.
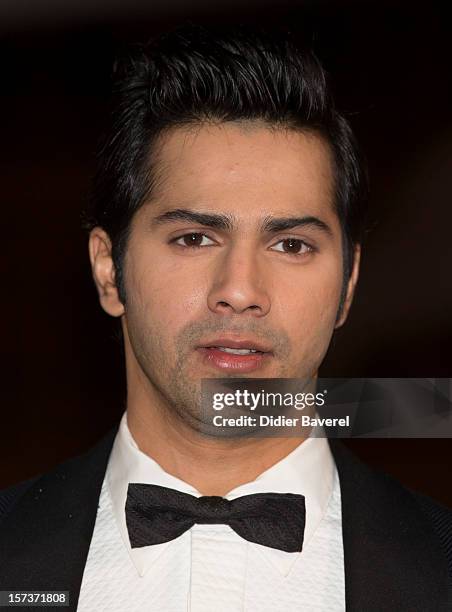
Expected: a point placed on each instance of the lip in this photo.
(234, 363)
(243, 343)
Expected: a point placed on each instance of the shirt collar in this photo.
(308, 470)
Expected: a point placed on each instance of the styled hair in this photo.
(195, 75)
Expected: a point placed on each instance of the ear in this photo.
(350, 287)
(103, 271)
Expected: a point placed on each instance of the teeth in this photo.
(234, 351)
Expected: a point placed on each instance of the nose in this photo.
(239, 285)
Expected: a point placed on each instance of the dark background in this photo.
(389, 62)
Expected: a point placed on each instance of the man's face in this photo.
(234, 267)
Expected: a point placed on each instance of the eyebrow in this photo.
(280, 224)
(216, 221)
(226, 222)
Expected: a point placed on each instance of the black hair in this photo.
(196, 74)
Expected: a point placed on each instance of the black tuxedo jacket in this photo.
(397, 544)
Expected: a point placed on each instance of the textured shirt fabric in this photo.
(210, 567)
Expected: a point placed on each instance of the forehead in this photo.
(245, 169)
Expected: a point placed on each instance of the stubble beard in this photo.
(173, 387)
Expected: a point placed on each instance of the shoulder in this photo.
(11, 495)
(74, 477)
(440, 519)
(402, 522)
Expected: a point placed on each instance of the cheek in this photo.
(308, 300)
(165, 294)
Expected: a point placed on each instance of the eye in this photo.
(292, 246)
(194, 239)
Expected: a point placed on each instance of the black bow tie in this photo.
(155, 515)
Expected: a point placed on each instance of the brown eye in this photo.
(292, 246)
(194, 239)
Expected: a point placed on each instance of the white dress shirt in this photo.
(210, 568)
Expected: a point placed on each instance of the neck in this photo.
(212, 466)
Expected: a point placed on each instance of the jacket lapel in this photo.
(392, 558)
(46, 537)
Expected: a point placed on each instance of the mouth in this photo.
(241, 356)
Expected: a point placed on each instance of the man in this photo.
(225, 235)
